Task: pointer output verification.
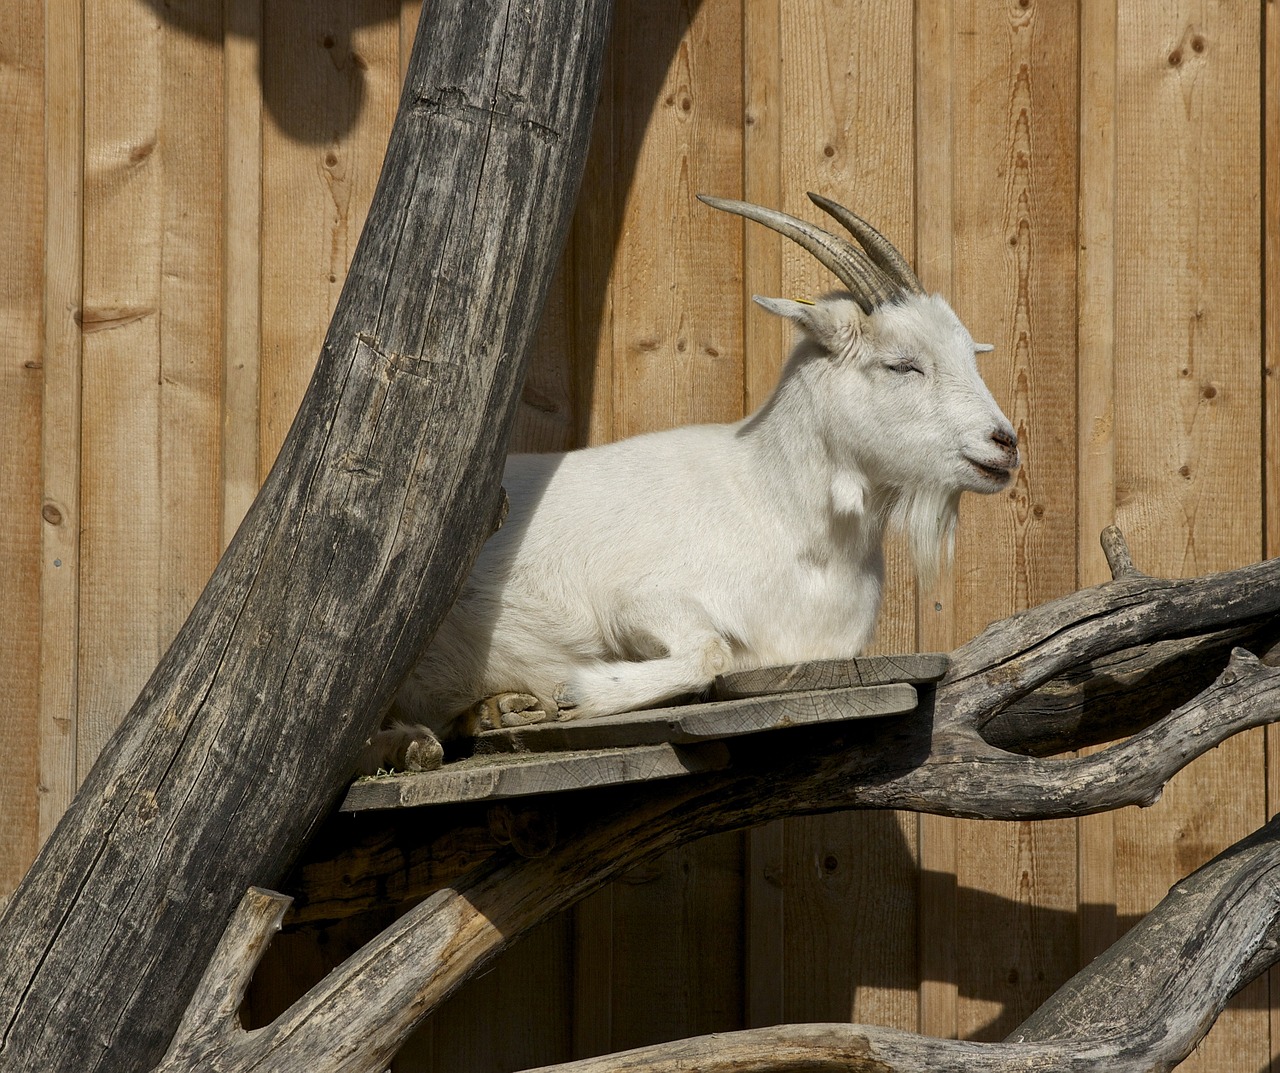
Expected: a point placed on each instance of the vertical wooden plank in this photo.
(1095, 444)
(242, 206)
(1271, 385)
(21, 343)
(1015, 162)
(765, 344)
(829, 110)
(934, 179)
(516, 1016)
(191, 373)
(331, 80)
(675, 319)
(766, 338)
(152, 355)
(677, 945)
(676, 312)
(593, 240)
(1188, 410)
(60, 439)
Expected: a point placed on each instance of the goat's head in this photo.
(904, 407)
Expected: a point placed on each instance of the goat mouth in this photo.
(1000, 475)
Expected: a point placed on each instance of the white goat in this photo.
(634, 572)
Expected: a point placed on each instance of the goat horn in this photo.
(879, 248)
(867, 282)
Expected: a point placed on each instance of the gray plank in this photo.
(703, 722)
(524, 774)
(833, 674)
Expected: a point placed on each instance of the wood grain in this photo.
(1271, 382)
(1095, 436)
(22, 221)
(832, 674)
(330, 81)
(1015, 158)
(59, 562)
(703, 722)
(1187, 402)
(936, 932)
(121, 515)
(243, 252)
(835, 103)
(107, 876)
(525, 775)
(671, 337)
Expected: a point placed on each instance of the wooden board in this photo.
(831, 90)
(704, 722)
(660, 290)
(59, 563)
(150, 530)
(1187, 401)
(330, 81)
(1013, 164)
(523, 774)
(21, 353)
(832, 674)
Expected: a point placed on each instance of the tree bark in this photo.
(934, 759)
(386, 486)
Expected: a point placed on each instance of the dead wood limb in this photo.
(1141, 1006)
(934, 759)
(386, 486)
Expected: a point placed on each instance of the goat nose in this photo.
(1006, 438)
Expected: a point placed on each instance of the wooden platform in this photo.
(659, 743)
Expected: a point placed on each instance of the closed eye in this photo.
(904, 367)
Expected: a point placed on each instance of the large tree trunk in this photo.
(384, 490)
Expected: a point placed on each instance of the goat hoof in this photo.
(423, 754)
(511, 710)
(402, 747)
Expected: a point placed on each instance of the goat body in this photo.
(634, 572)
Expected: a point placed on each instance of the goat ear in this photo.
(832, 333)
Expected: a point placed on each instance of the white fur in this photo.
(633, 572)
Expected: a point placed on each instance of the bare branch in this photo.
(933, 759)
(1116, 549)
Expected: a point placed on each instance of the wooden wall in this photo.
(185, 183)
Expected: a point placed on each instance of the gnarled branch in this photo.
(934, 759)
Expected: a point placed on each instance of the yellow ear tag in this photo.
(804, 301)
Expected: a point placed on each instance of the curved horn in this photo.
(867, 282)
(879, 248)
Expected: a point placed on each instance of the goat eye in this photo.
(904, 367)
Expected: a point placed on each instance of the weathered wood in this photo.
(832, 674)
(61, 406)
(21, 381)
(381, 495)
(1190, 482)
(1143, 1006)
(702, 722)
(525, 774)
(1013, 185)
(935, 761)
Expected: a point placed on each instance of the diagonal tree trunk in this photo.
(353, 551)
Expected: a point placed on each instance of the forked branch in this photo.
(935, 759)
